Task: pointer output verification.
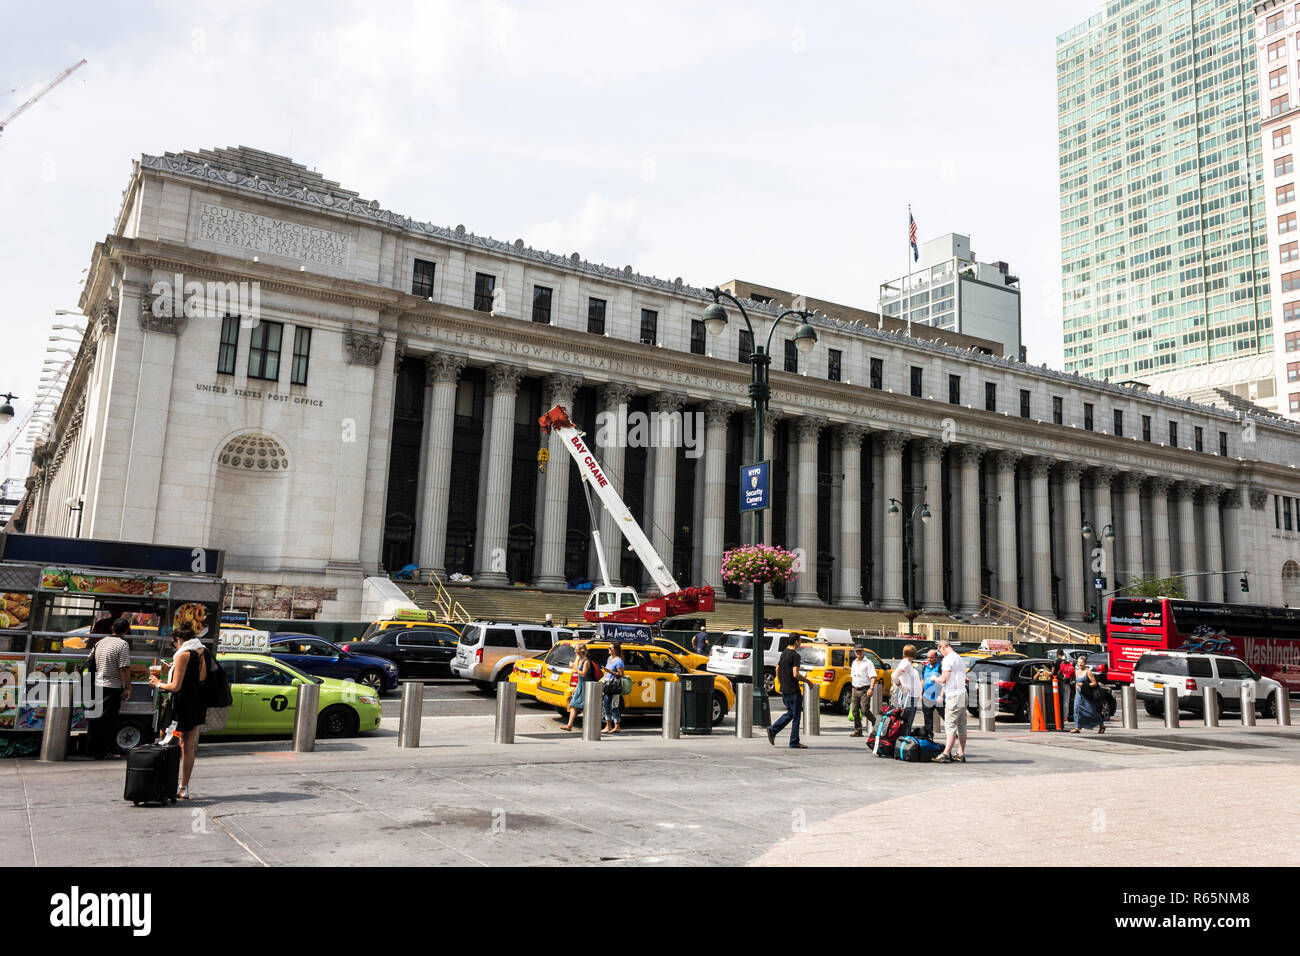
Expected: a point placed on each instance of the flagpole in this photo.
(908, 284)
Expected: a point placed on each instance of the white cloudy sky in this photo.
(777, 142)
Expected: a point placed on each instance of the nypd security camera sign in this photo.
(754, 495)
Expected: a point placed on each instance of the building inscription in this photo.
(258, 394)
(293, 240)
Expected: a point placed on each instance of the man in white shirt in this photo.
(864, 679)
(953, 678)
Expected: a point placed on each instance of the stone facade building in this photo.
(368, 399)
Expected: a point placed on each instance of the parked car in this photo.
(488, 650)
(1012, 677)
(264, 694)
(733, 656)
(410, 621)
(315, 655)
(417, 651)
(1191, 674)
(830, 668)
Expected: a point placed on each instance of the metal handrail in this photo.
(1035, 627)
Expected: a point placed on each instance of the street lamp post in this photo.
(1107, 535)
(760, 359)
(895, 507)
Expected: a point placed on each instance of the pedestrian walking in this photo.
(582, 672)
(952, 676)
(931, 693)
(1087, 700)
(110, 662)
(189, 673)
(788, 680)
(863, 676)
(906, 694)
(701, 641)
(611, 704)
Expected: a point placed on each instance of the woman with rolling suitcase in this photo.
(185, 682)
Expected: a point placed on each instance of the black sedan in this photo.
(417, 652)
(1011, 677)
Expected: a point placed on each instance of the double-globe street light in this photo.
(895, 507)
(760, 359)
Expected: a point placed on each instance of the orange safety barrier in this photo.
(1056, 703)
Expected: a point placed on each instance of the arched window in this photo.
(1291, 584)
(255, 453)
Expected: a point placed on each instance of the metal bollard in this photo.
(58, 720)
(744, 713)
(1171, 706)
(1247, 702)
(1038, 703)
(988, 706)
(1129, 705)
(304, 718)
(1283, 707)
(408, 726)
(812, 714)
(1210, 706)
(591, 719)
(507, 701)
(877, 698)
(672, 721)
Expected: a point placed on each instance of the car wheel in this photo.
(1153, 708)
(484, 686)
(1269, 709)
(374, 679)
(337, 721)
(1108, 708)
(503, 677)
(769, 683)
(129, 735)
(846, 699)
(1022, 711)
(719, 708)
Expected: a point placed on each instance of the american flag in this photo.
(911, 236)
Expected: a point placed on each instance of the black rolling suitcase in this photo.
(153, 773)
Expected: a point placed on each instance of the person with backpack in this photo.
(187, 684)
(906, 694)
(110, 661)
(788, 680)
(611, 704)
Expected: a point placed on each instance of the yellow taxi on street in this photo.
(647, 665)
(525, 675)
(830, 669)
(425, 620)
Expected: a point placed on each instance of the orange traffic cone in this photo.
(1037, 719)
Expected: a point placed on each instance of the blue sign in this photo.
(754, 493)
(1099, 583)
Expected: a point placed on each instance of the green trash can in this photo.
(697, 703)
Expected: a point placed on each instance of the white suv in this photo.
(488, 650)
(733, 658)
(1191, 674)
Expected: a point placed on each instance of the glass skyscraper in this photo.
(1164, 252)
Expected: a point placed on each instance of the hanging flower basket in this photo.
(757, 564)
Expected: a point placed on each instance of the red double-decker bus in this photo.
(1266, 638)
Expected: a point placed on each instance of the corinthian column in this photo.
(1185, 507)
(807, 430)
(850, 556)
(443, 375)
(1233, 511)
(1008, 574)
(1160, 526)
(560, 390)
(666, 428)
(1214, 582)
(715, 489)
(613, 399)
(1070, 501)
(891, 450)
(1130, 488)
(1039, 472)
(932, 531)
(503, 381)
(1103, 515)
(968, 458)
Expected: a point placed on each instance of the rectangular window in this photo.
(1282, 137)
(1293, 372)
(1276, 49)
(301, 355)
(877, 373)
(1146, 427)
(1279, 104)
(916, 381)
(833, 362)
(596, 316)
(1198, 435)
(746, 349)
(990, 396)
(1286, 223)
(1286, 514)
(954, 389)
(541, 305)
(1290, 311)
(1277, 79)
(1289, 252)
(1173, 434)
(1087, 415)
(1118, 416)
(1277, 512)
(697, 336)
(1285, 194)
(649, 327)
(1024, 403)
(264, 351)
(1275, 22)
(1058, 410)
(1290, 281)
(1293, 341)
(1223, 444)
(1294, 401)
(791, 356)
(226, 355)
(1283, 165)
(422, 279)
(484, 289)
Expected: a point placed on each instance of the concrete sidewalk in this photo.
(637, 799)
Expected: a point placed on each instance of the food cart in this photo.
(48, 585)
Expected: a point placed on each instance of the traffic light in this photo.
(1245, 584)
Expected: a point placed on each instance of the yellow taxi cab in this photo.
(525, 675)
(406, 618)
(647, 665)
(830, 669)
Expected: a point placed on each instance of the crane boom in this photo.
(45, 89)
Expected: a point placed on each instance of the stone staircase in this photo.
(529, 604)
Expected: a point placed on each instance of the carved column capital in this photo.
(1006, 459)
(443, 368)
(969, 456)
(613, 394)
(1211, 495)
(807, 429)
(717, 414)
(1101, 477)
(1258, 498)
(1160, 485)
(931, 449)
(504, 379)
(1185, 491)
(667, 402)
(1039, 467)
(851, 436)
(1131, 481)
(399, 352)
(1070, 471)
(363, 348)
(891, 443)
(1231, 498)
(561, 389)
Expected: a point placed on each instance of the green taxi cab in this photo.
(264, 694)
(647, 665)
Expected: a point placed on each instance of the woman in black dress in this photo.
(185, 682)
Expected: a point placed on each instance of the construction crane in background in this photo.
(49, 86)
